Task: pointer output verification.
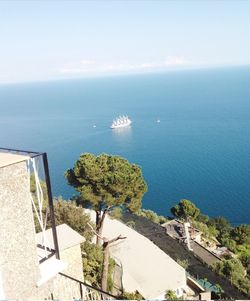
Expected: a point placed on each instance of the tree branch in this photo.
(95, 231)
(116, 238)
(104, 214)
(105, 240)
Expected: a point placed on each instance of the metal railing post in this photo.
(51, 206)
(81, 292)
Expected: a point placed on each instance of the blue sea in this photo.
(200, 150)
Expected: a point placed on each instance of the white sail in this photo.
(121, 121)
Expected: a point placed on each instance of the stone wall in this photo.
(72, 256)
(61, 287)
(19, 265)
(18, 257)
(58, 288)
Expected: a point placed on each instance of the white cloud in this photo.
(87, 66)
(176, 61)
(87, 62)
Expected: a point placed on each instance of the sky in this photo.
(48, 40)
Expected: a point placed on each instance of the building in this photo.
(175, 229)
(145, 267)
(35, 266)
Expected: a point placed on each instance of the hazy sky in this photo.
(43, 40)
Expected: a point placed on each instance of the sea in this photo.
(200, 149)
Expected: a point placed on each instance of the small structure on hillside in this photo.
(221, 252)
(176, 229)
(196, 291)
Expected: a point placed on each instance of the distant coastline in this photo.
(124, 75)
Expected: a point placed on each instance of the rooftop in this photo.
(175, 229)
(146, 267)
(8, 158)
(66, 237)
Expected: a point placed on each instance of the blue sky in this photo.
(43, 40)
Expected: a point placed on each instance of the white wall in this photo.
(2, 297)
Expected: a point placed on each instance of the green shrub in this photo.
(151, 215)
(110, 282)
(229, 243)
(131, 224)
(245, 260)
(233, 270)
(132, 296)
(92, 258)
(170, 295)
(183, 263)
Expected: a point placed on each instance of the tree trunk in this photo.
(105, 269)
(98, 239)
(106, 245)
(98, 227)
(100, 215)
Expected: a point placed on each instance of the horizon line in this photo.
(123, 74)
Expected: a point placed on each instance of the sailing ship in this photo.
(120, 122)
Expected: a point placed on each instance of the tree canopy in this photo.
(185, 210)
(222, 225)
(107, 180)
(234, 271)
(245, 260)
(241, 234)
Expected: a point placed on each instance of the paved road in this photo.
(196, 268)
(204, 254)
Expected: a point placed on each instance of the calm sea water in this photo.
(200, 150)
